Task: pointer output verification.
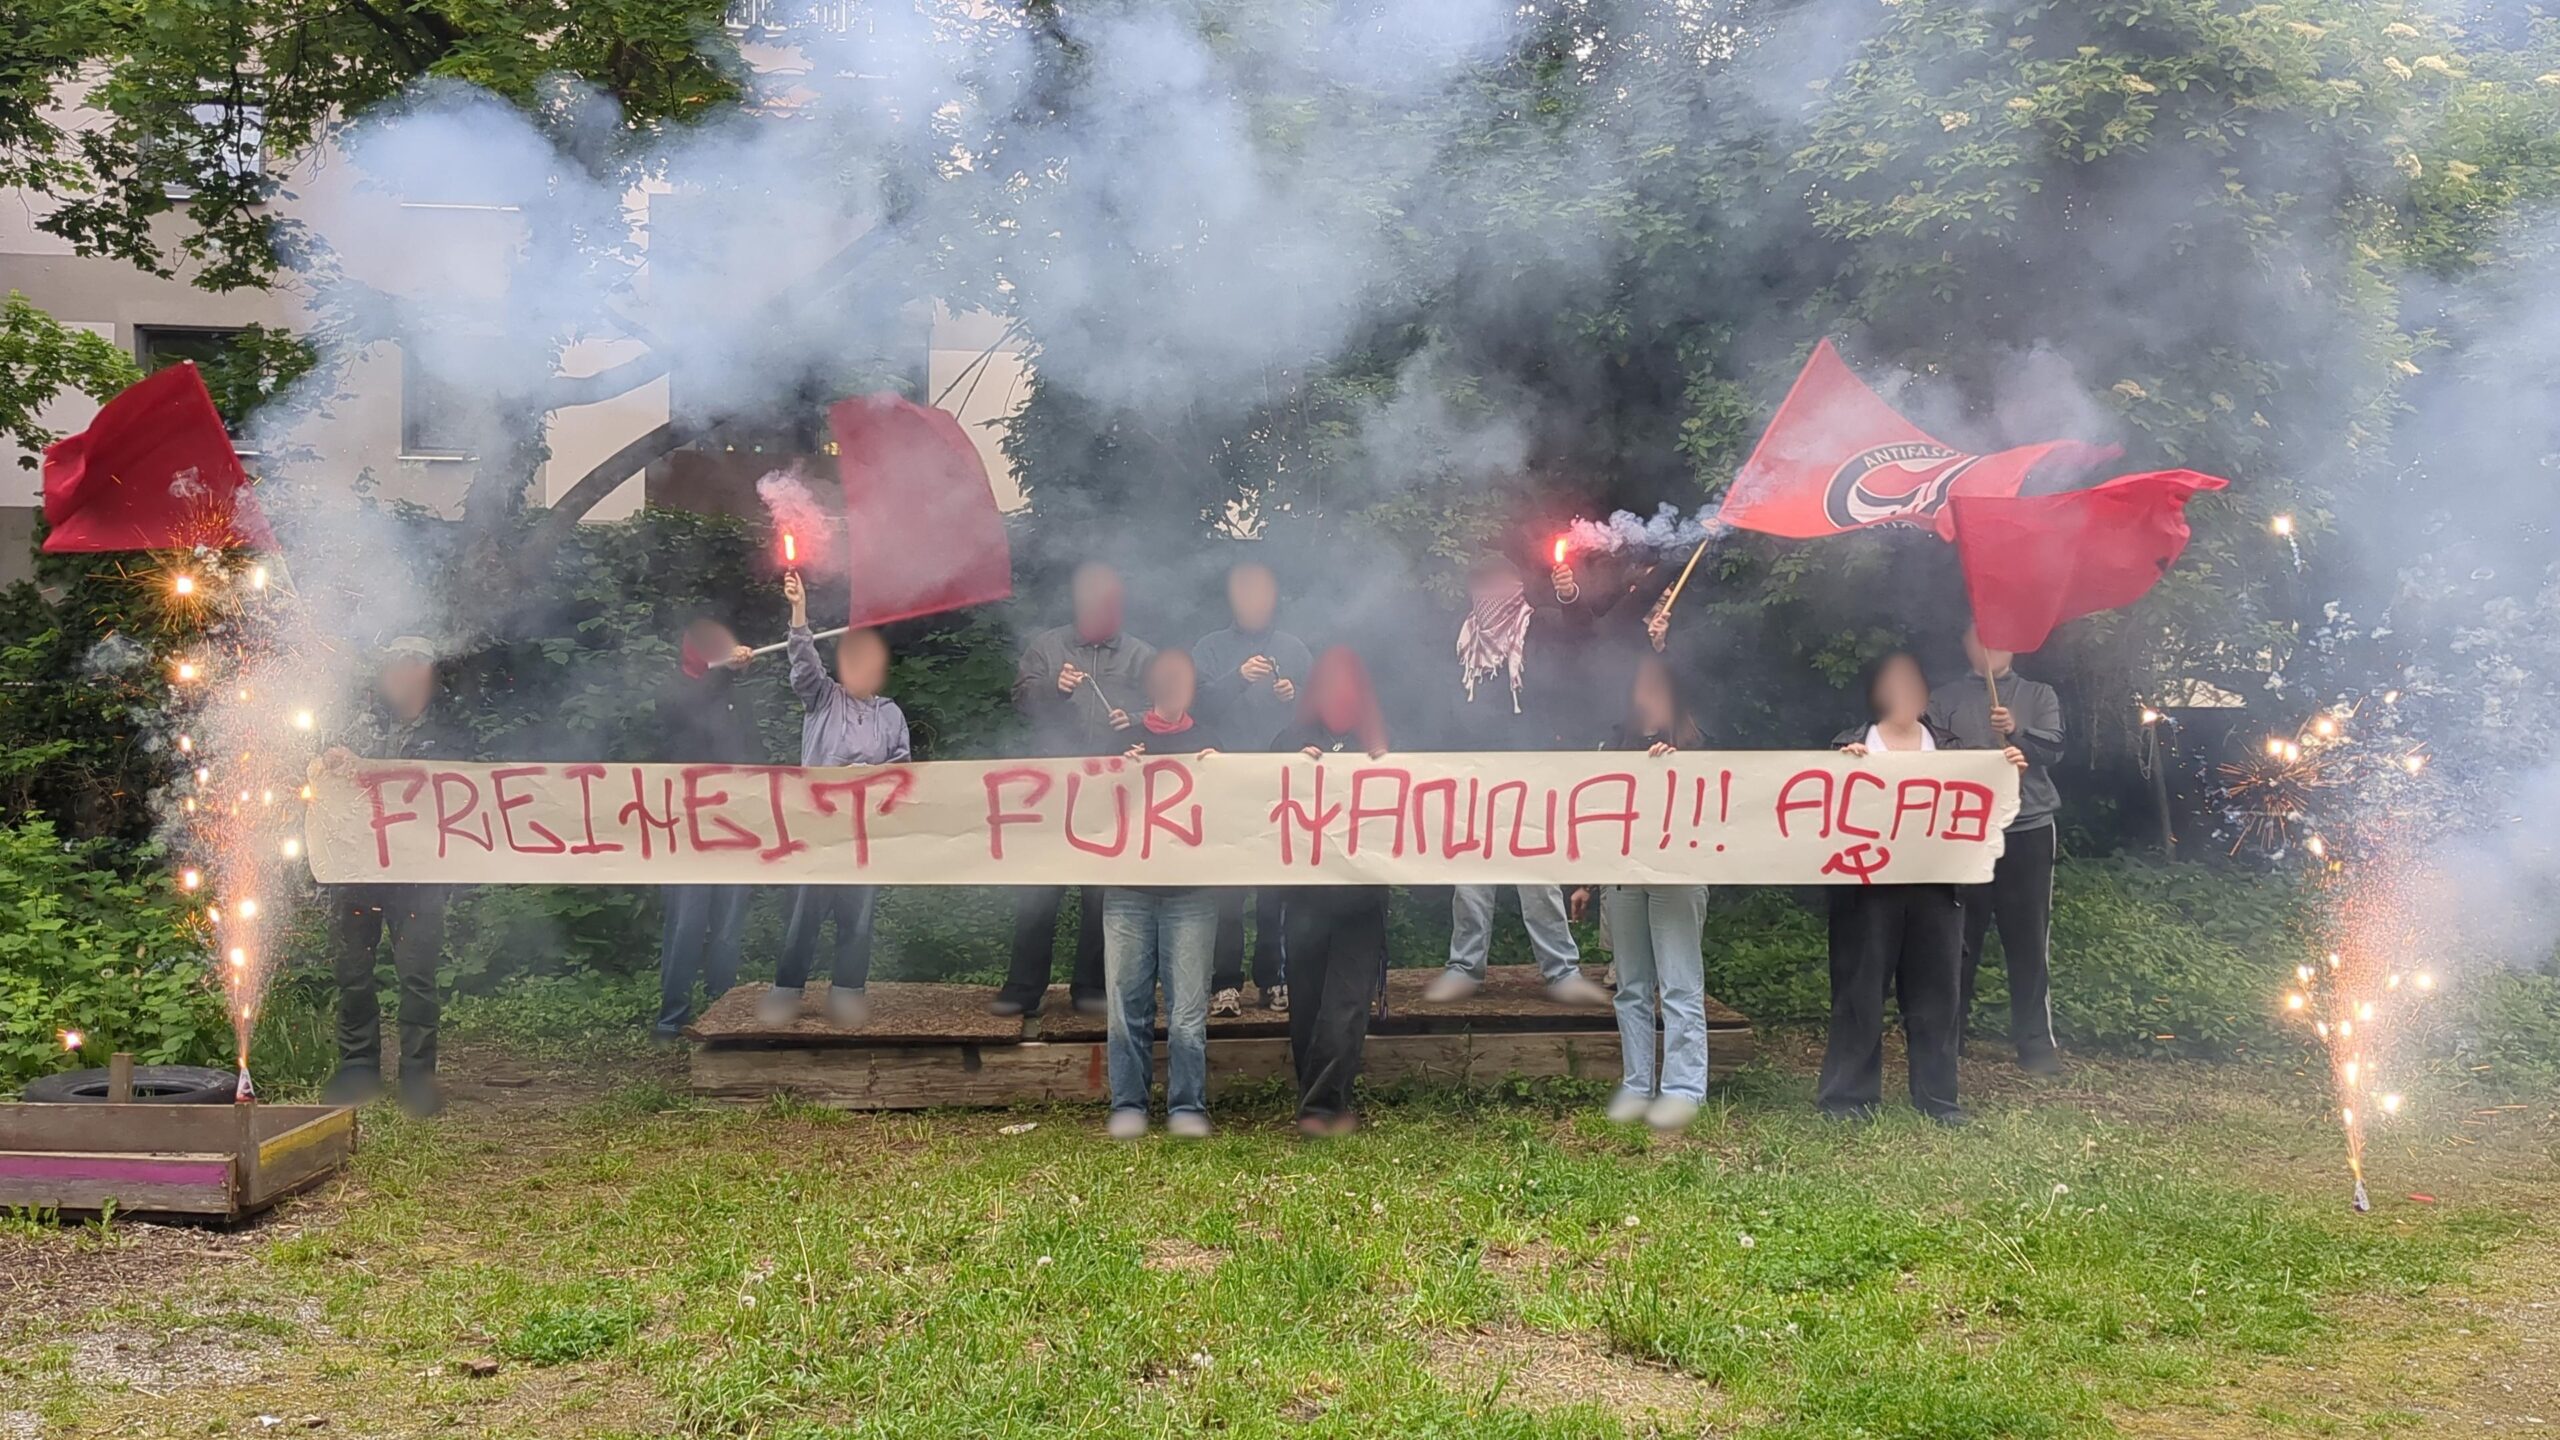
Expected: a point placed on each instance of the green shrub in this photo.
(84, 948)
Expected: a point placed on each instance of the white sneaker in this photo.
(1577, 990)
(1276, 999)
(1126, 1125)
(1627, 1107)
(1187, 1125)
(780, 1005)
(1229, 1001)
(1671, 1112)
(1450, 985)
(848, 1007)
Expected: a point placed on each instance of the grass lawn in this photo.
(2145, 1249)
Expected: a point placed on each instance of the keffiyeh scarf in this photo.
(1495, 635)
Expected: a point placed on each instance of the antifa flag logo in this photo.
(1903, 483)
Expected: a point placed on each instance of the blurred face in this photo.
(1171, 682)
(407, 684)
(862, 662)
(1985, 661)
(1653, 703)
(1097, 598)
(710, 639)
(1488, 584)
(1901, 693)
(1253, 596)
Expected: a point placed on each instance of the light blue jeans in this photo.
(1653, 930)
(1541, 910)
(1145, 939)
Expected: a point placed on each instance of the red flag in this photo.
(1836, 458)
(154, 471)
(2033, 562)
(922, 531)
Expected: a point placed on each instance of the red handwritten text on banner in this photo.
(1723, 817)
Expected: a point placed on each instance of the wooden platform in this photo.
(930, 1045)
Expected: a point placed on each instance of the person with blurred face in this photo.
(1249, 677)
(1906, 938)
(703, 718)
(1517, 696)
(1337, 934)
(843, 721)
(399, 723)
(2019, 898)
(1160, 934)
(1076, 687)
(1654, 933)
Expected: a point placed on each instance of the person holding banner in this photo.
(1909, 938)
(703, 718)
(1071, 687)
(1337, 934)
(1155, 934)
(2019, 898)
(399, 722)
(1519, 694)
(1654, 936)
(844, 720)
(1249, 677)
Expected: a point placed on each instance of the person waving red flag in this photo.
(2033, 562)
(154, 471)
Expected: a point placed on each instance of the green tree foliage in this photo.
(40, 357)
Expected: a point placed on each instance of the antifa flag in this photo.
(922, 531)
(2034, 562)
(154, 471)
(1836, 458)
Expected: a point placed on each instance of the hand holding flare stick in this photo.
(1657, 622)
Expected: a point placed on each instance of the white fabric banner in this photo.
(1759, 817)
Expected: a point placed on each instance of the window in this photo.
(215, 352)
(231, 136)
(435, 415)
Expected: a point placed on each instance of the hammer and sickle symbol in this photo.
(1862, 860)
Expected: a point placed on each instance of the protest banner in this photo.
(1713, 817)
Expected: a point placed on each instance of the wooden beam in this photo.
(917, 1077)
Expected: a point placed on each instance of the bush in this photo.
(2149, 958)
(84, 948)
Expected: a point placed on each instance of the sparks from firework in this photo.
(250, 624)
(2282, 526)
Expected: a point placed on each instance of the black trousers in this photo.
(1035, 945)
(2019, 900)
(1912, 936)
(1267, 930)
(1337, 939)
(811, 906)
(413, 915)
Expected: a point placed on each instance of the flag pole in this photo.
(724, 662)
(1670, 597)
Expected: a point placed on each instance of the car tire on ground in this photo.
(152, 1085)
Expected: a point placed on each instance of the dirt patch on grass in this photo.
(1182, 1257)
(49, 1276)
(1516, 1366)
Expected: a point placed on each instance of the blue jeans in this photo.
(811, 905)
(1654, 931)
(1541, 910)
(1147, 938)
(704, 926)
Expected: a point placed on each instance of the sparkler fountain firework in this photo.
(2348, 791)
(249, 740)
